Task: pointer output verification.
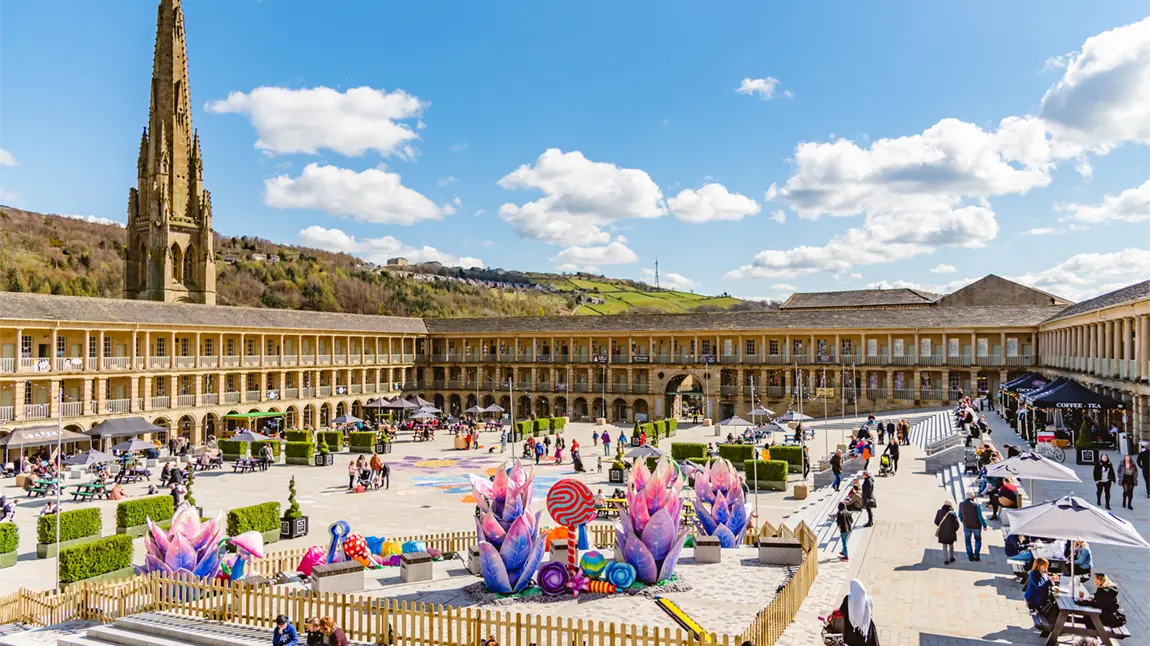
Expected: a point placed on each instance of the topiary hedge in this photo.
(685, 450)
(257, 447)
(78, 523)
(672, 426)
(699, 461)
(334, 439)
(9, 538)
(792, 455)
(300, 436)
(261, 518)
(93, 559)
(299, 452)
(737, 453)
(133, 513)
(542, 425)
(233, 448)
(557, 424)
(361, 441)
(770, 473)
(524, 428)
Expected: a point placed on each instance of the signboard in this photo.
(872, 347)
(1012, 347)
(824, 392)
(706, 358)
(926, 348)
(983, 347)
(898, 347)
(543, 358)
(641, 358)
(954, 347)
(598, 358)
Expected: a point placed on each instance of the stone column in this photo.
(1143, 339)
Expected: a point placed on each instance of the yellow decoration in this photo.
(390, 548)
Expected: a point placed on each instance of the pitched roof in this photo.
(858, 298)
(897, 318)
(82, 309)
(1134, 292)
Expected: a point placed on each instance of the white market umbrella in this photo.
(794, 416)
(735, 421)
(250, 436)
(89, 457)
(428, 409)
(1072, 518)
(475, 409)
(643, 452)
(1032, 466)
(133, 445)
(423, 415)
(494, 408)
(760, 411)
(346, 419)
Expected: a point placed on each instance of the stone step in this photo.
(197, 632)
(124, 637)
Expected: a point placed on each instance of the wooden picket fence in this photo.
(389, 621)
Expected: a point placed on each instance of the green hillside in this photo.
(623, 297)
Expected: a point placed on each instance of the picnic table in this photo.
(133, 474)
(245, 465)
(41, 487)
(89, 490)
(1077, 619)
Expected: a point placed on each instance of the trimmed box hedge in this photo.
(700, 461)
(9, 538)
(299, 452)
(101, 556)
(133, 513)
(557, 424)
(362, 441)
(334, 439)
(261, 518)
(737, 453)
(771, 474)
(257, 447)
(685, 450)
(300, 436)
(543, 425)
(77, 523)
(525, 428)
(672, 426)
(234, 448)
(792, 455)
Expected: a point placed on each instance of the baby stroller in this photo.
(970, 461)
(364, 480)
(885, 467)
(833, 628)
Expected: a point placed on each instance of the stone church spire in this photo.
(170, 254)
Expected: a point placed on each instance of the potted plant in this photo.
(1084, 446)
(191, 478)
(324, 458)
(382, 444)
(618, 472)
(294, 523)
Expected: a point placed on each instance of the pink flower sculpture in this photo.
(510, 545)
(649, 527)
(720, 506)
(189, 547)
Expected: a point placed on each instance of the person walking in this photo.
(1144, 464)
(857, 610)
(1128, 476)
(837, 468)
(946, 520)
(806, 462)
(844, 521)
(869, 501)
(1103, 478)
(972, 525)
(538, 452)
(892, 452)
(595, 437)
(503, 441)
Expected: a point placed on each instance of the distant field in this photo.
(621, 298)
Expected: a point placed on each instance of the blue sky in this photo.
(867, 146)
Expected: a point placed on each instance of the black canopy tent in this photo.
(1070, 394)
(125, 427)
(1008, 393)
(34, 436)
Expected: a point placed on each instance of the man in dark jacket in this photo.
(868, 497)
(972, 525)
(1144, 464)
(837, 468)
(892, 451)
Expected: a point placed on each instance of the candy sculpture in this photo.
(189, 547)
(720, 506)
(601, 587)
(510, 545)
(593, 564)
(571, 504)
(620, 575)
(249, 545)
(355, 548)
(553, 578)
(649, 529)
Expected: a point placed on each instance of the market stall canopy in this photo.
(475, 409)
(1023, 395)
(643, 452)
(1072, 518)
(759, 411)
(424, 415)
(1032, 466)
(41, 436)
(399, 402)
(793, 416)
(419, 401)
(1028, 383)
(1073, 395)
(381, 402)
(736, 421)
(494, 408)
(125, 427)
(1023, 379)
(428, 409)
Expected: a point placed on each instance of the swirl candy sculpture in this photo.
(510, 545)
(720, 506)
(189, 547)
(649, 527)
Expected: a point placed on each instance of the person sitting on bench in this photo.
(7, 510)
(1106, 600)
(1018, 549)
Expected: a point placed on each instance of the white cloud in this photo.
(1087, 275)
(93, 219)
(1131, 205)
(669, 280)
(711, 203)
(6, 158)
(378, 250)
(943, 268)
(779, 216)
(784, 287)
(307, 120)
(1042, 231)
(589, 258)
(459, 147)
(1055, 63)
(765, 88)
(9, 197)
(446, 181)
(480, 213)
(580, 198)
(374, 195)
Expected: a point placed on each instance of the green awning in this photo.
(256, 415)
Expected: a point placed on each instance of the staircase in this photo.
(161, 629)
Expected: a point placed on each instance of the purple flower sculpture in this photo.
(189, 547)
(649, 531)
(720, 506)
(553, 578)
(510, 545)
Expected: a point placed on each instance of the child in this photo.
(599, 468)
(595, 438)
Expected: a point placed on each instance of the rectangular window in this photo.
(185, 384)
(107, 346)
(28, 393)
(750, 346)
(107, 389)
(161, 347)
(209, 346)
(160, 386)
(797, 346)
(250, 347)
(706, 346)
(231, 382)
(93, 347)
(271, 349)
(184, 347)
(26, 346)
(231, 347)
(138, 346)
(61, 346)
(847, 347)
(773, 346)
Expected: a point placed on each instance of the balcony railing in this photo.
(776, 392)
(69, 364)
(232, 397)
(324, 359)
(369, 387)
(160, 401)
(932, 360)
(639, 389)
(1020, 360)
(72, 409)
(209, 361)
(775, 359)
(931, 394)
(7, 414)
(185, 362)
(307, 360)
(369, 358)
(324, 391)
(988, 360)
(307, 393)
(752, 359)
(291, 393)
(340, 360)
(185, 401)
(271, 360)
(728, 391)
(229, 361)
(355, 358)
(116, 406)
(252, 396)
(251, 360)
(159, 363)
(904, 360)
(619, 389)
(8, 365)
(903, 393)
(210, 399)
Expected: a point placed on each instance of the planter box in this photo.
(383, 447)
(324, 459)
(1086, 456)
(474, 565)
(300, 461)
(801, 491)
(559, 550)
(293, 528)
(780, 551)
(116, 575)
(362, 449)
(49, 550)
(271, 536)
(708, 550)
(8, 559)
(137, 531)
(342, 577)
(617, 476)
(415, 566)
(768, 485)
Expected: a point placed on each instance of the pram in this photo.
(833, 628)
(970, 461)
(885, 467)
(366, 480)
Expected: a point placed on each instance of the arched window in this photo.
(190, 265)
(177, 264)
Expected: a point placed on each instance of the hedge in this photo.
(78, 523)
(524, 428)
(685, 450)
(672, 426)
(768, 471)
(362, 439)
(543, 425)
(233, 447)
(557, 423)
(699, 461)
(661, 428)
(792, 455)
(652, 462)
(334, 439)
(261, 518)
(9, 537)
(300, 436)
(259, 446)
(132, 513)
(300, 450)
(93, 559)
(737, 453)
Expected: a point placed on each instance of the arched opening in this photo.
(357, 409)
(211, 425)
(488, 400)
(75, 428)
(619, 410)
(598, 408)
(292, 419)
(177, 264)
(189, 273)
(453, 405)
(162, 436)
(579, 408)
(340, 409)
(684, 395)
(470, 402)
(230, 424)
(560, 407)
(437, 401)
(523, 407)
(542, 407)
(309, 416)
(505, 403)
(325, 415)
(186, 428)
(640, 410)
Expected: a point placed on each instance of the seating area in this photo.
(248, 465)
(934, 429)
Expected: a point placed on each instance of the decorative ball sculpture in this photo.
(390, 548)
(553, 577)
(620, 575)
(355, 548)
(601, 587)
(414, 546)
(593, 564)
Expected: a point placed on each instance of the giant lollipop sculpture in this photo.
(570, 504)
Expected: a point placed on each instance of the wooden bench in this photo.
(1018, 568)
